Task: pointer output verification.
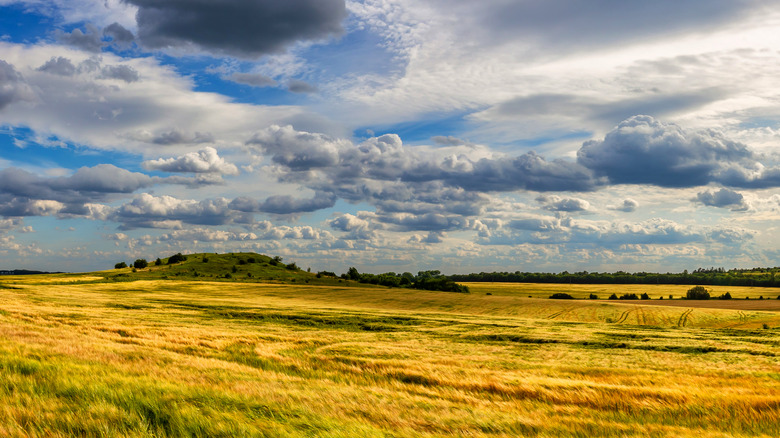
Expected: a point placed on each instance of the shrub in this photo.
(629, 297)
(158, 262)
(726, 296)
(697, 293)
(140, 264)
(326, 274)
(234, 269)
(292, 266)
(228, 275)
(593, 297)
(765, 326)
(645, 296)
(176, 258)
(121, 265)
(671, 297)
(561, 296)
(205, 259)
(251, 260)
(613, 297)
(242, 262)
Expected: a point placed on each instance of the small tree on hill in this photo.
(176, 258)
(140, 264)
(158, 262)
(120, 265)
(698, 293)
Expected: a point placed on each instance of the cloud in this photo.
(297, 86)
(13, 87)
(119, 35)
(568, 205)
(627, 206)
(245, 29)
(89, 41)
(58, 66)
(284, 204)
(642, 150)
(148, 211)
(121, 72)
(252, 79)
(723, 198)
(204, 161)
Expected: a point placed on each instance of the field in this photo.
(158, 357)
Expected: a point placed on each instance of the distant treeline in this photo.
(425, 280)
(25, 272)
(760, 277)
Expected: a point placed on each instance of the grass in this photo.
(151, 358)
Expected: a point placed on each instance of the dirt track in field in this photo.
(762, 305)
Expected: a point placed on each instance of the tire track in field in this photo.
(684, 318)
(624, 316)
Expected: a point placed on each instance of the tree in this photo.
(140, 264)
(353, 274)
(120, 265)
(158, 262)
(176, 258)
(698, 293)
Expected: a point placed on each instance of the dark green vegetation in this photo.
(252, 267)
(758, 277)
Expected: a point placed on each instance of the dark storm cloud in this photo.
(242, 28)
(121, 72)
(723, 198)
(58, 66)
(252, 79)
(13, 87)
(642, 150)
(297, 86)
(89, 41)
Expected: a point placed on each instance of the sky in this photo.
(391, 135)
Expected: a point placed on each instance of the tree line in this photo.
(759, 277)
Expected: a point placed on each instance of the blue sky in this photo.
(391, 134)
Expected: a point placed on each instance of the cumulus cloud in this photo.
(122, 72)
(13, 87)
(284, 204)
(58, 66)
(627, 206)
(119, 35)
(148, 211)
(723, 198)
(245, 29)
(89, 41)
(204, 161)
(568, 205)
(642, 150)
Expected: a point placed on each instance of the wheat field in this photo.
(182, 358)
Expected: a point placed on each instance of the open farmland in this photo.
(183, 358)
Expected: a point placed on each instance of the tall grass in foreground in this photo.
(200, 359)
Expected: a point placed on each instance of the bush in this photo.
(697, 293)
(292, 266)
(629, 297)
(242, 262)
(205, 259)
(561, 296)
(251, 260)
(726, 296)
(645, 296)
(593, 297)
(234, 269)
(121, 265)
(158, 262)
(140, 264)
(613, 297)
(176, 258)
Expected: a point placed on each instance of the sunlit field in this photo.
(185, 358)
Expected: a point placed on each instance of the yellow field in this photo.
(165, 358)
